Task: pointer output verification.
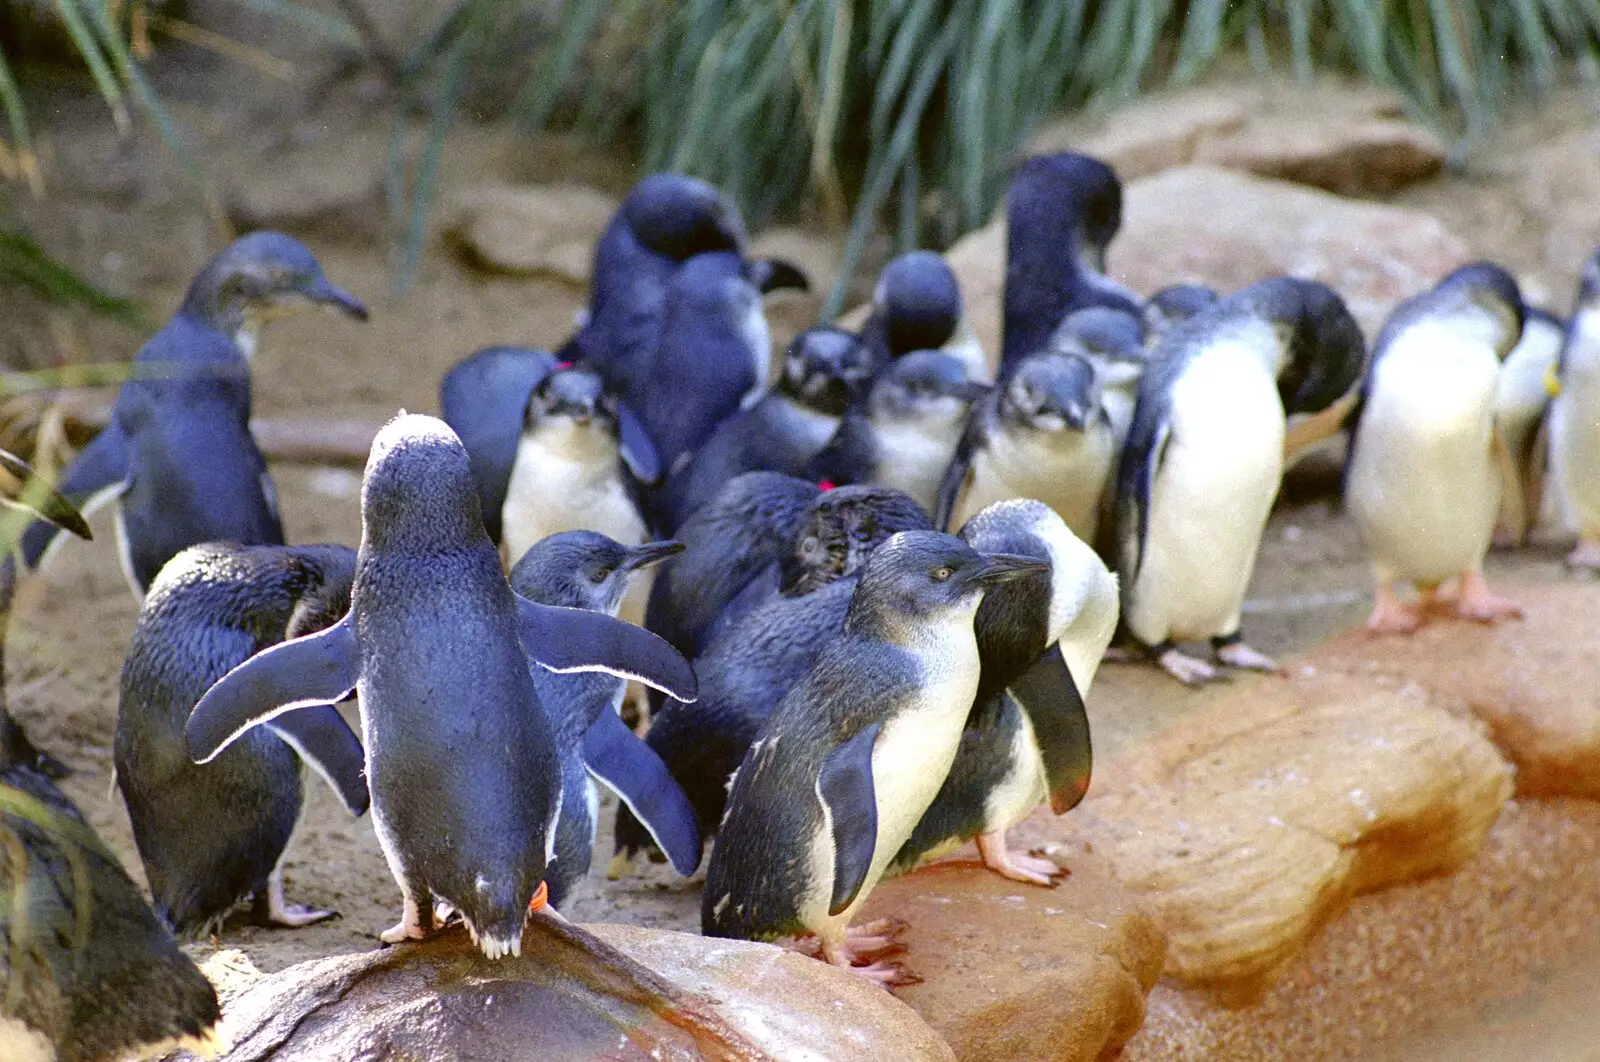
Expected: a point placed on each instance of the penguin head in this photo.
(1052, 393)
(584, 569)
(1491, 294)
(261, 276)
(841, 529)
(321, 585)
(924, 386)
(923, 577)
(418, 492)
(714, 284)
(571, 394)
(825, 369)
(1112, 340)
(920, 302)
(1175, 304)
(679, 217)
(1322, 352)
(1067, 197)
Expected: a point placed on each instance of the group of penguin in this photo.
(840, 689)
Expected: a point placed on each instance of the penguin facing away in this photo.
(1044, 433)
(1574, 432)
(211, 836)
(178, 456)
(461, 763)
(907, 430)
(1526, 392)
(582, 569)
(1426, 459)
(855, 753)
(1205, 455)
(915, 306)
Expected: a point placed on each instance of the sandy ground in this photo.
(121, 212)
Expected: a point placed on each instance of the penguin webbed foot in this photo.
(412, 925)
(1585, 556)
(880, 972)
(1390, 615)
(1017, 866)
(1476, 602)
(1189, 670)
(1233, 651)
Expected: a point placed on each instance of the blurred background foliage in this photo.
(888, 115)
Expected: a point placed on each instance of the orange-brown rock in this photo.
(1534, 682)
(1246, 827)
(1018, 973)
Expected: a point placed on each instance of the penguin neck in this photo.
(904, 627)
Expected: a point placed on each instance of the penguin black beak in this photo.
(325, 294)
(998, 568)
(650, 554)
(1073, 405)
(774, 274)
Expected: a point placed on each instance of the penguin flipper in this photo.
(616, 756)
(325, 741)
(1050, 697)
(99, 473)
(565, 640)
(638, 450)
(1136, 491)
(319, 669)
(846, 789)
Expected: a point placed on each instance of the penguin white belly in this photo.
(1210, 500)
(1119, 405)
(1424, 487)
(919, 459)
(1575, 437)
(1024, 785)
(566, 488)
(1066, 470)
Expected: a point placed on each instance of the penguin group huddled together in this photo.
(870, 586)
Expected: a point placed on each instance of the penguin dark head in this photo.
(1175, 304)
(923, 385)
(260, 276)
(1492, 291)
(920, 302)
(574, 394)
(1052, 393)
(825, 369)
(584, 569)
(841, 529)
(418, 491)
(1324, 352)
(679, 217)
(1073, 198)
(919, 577)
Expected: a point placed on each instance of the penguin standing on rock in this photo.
(581, 569)
(906, 431)
(1205, 457)
(178, 455)
(823, 372)
(213, 835)
(855, 753)
(1525, 391)
(1423, 477)
(1575, 422)
(461, 763)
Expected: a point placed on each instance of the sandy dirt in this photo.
(121, 212)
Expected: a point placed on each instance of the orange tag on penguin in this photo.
(540, 898)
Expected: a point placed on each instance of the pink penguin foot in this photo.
(1587, 555)
(1242, 656)
(1390, 615)
(1475, 602)
(1017, 866)
(1189, 670)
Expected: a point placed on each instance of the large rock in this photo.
(1016, 972)
(1555, 179)
(1355, 157)
(1532, 682)
(792, 312)
(1246, 827)
(548, 229)
(572, 995)
(1151, 134)
(332, 184)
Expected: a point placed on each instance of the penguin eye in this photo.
(942, 575)
(600, 575)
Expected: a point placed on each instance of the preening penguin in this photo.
(178, 456)
(1523, 400)
(855, 753)
(905, 433)
(1205, 457)
(1175, 304)
(1043, 433)
(212, 836)
(1423, 477)
(581, 569)
(916, 306)
(1575, 422)
(1040, 641)
(461, 762)
(824, 371)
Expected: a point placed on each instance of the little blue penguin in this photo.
(906, 431)
(1062, 211)
(212, 836)
(1205, 458)
(1574, 432)
(88, 972)
(582, 569)
(461, 762)
(178, 456)
(1525, 395)
(1423, 477)
(1043, 433)
(854, 755)
(1114, 343)
(1040, 640)
(824, 371)
(1174, 304)
(915, 306)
